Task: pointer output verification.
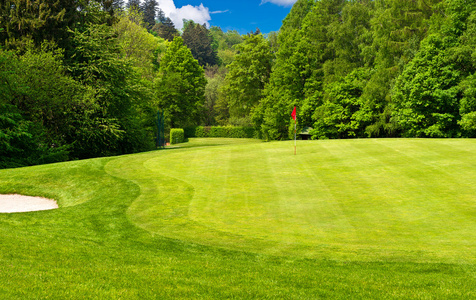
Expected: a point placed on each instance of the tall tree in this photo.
(427, 94)
(41, 20)
(181, 84)
(137, 45)
(134, 4)
(36, 20)
(199, 40)
(118, 5)
(149, 8)
(248, 74)
(303, 50)
(112, 112)
(165, 28)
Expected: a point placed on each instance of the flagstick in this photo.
(294, 137)
(293, 114)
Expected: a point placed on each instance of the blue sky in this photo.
(241, 15)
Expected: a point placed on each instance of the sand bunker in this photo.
(19, 203)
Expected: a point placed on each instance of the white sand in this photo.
(19, 203)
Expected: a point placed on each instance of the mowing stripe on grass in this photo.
(358, 200)
(265, 201)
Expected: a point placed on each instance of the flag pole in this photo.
(293, 115)
(294, 137)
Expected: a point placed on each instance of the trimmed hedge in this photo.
(221, 131)
(177, 136)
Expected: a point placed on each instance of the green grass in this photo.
(217, 218)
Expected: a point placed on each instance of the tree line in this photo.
(81, 79)
(383, 68)
(356, 69)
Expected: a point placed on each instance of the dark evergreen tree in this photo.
(135, 4)
(36, 20)
(150, 8)
(166, 30)
(161, 18)
(256, 32)
(198, 39)
(118, 5)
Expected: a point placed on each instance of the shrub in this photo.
(222, 131)
(200, 132)
(177, 136)
(217, 131)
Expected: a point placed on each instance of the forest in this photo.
(82, 79)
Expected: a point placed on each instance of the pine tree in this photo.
(135, 4)
(117, 5)
(161, 18)
(150, 8)
(198, 39)
(165, 28)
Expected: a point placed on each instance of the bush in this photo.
(218, 132)
(221, 131)
(21, 141)
(200, 132)
(177, 136)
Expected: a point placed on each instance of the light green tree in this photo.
(428, 94)
(180, 86)
(247, 76)
(136, 44)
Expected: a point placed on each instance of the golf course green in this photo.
(239, 218)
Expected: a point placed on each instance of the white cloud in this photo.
(219, 12)
(199, 14)
(280, 2)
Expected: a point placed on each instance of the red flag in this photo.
(294, 114)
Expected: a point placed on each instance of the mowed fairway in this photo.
(216, 218)
(358, 200)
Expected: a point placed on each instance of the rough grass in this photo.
(215, 218)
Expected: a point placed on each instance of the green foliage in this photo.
(36, 94)
(322, 45)
(97, 113)
(427, 96)
(343, 114)
(199, 40)
(114, 100)
(21, 142)
(41, 20)
(16, 140)
(221, 132)
(137, 46)
(30, 20)
(224, 43)
(212, 114)
(177, 136)
(247, 76)
(467, 108)
(165, 29)
(180, 86)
